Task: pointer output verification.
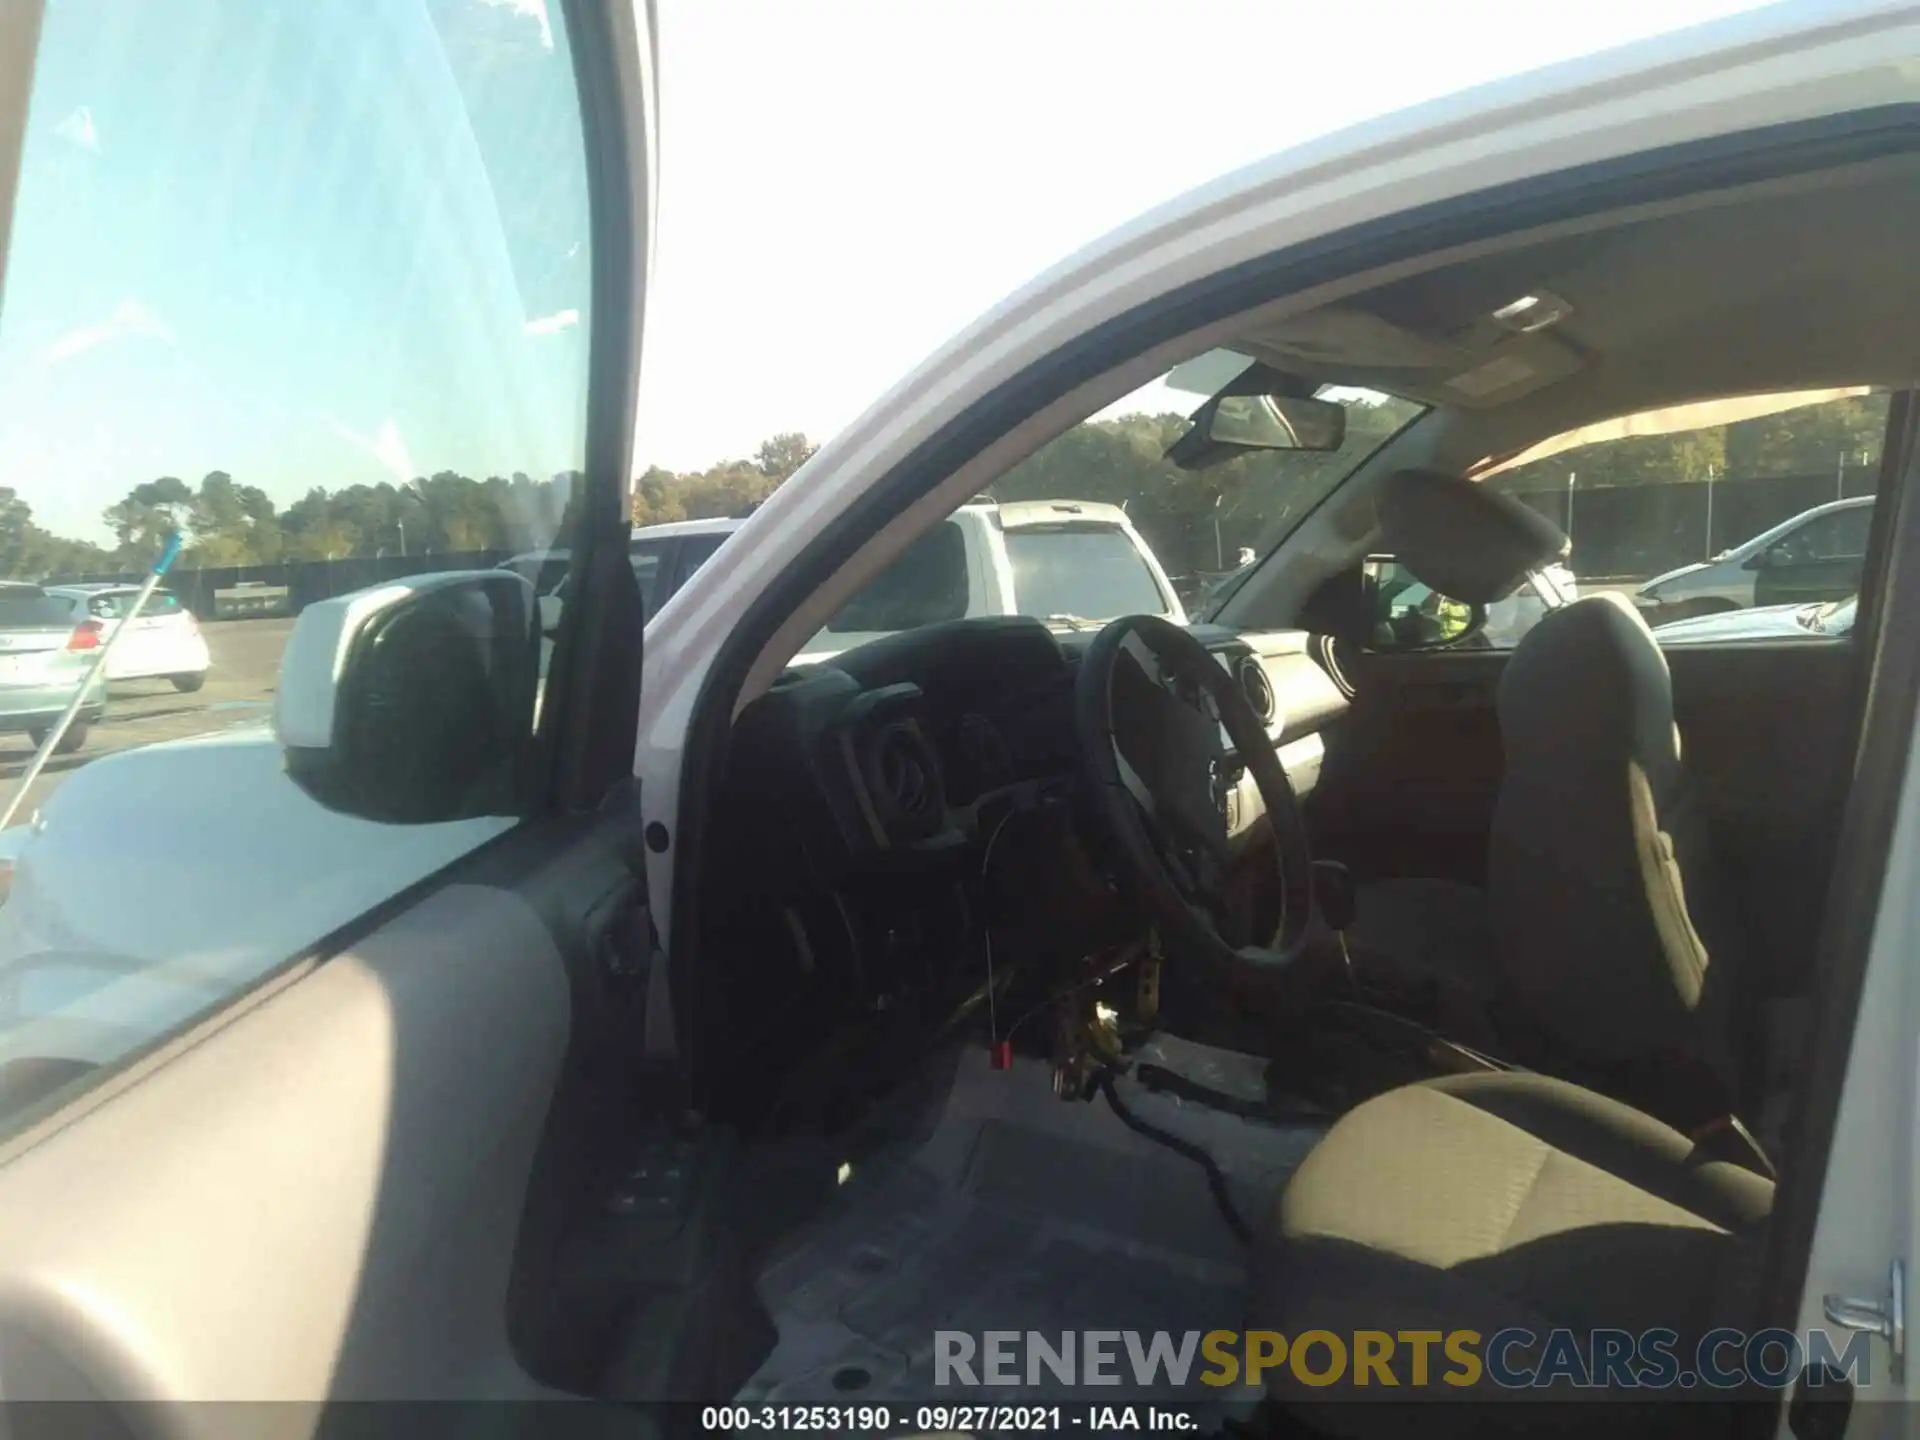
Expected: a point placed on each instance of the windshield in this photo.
(118, 604)
(1143, 497)
(1090, 574)
(1205, 526)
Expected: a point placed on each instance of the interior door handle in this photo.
(620, 934)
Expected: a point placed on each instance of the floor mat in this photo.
(1022, 1213)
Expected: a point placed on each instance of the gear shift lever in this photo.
(1334, 895)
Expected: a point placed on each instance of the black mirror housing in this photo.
(1405, 615)
(1229, 426)
(413, 703)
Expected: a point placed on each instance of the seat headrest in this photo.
(1589, 680)
(1466, 541)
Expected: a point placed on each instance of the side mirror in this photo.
(551, 608)
(1772, 558)
(1229, 426)
(413, 702)
(1403, 614)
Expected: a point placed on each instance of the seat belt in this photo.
(1727, 1138)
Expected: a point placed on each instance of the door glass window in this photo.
(695, 551)
(648, 557)
(118, 605)
(1841, 535)
(307, 284)
(1736, 519)
(925, 586)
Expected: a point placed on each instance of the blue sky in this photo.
(343, 241)
(269, 238)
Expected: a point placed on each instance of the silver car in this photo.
(45, 657)
(1815, 556)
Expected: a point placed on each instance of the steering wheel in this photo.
(1149, 705)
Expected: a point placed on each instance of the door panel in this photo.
(365, 1130)
(1768, 735)
(342, 1135)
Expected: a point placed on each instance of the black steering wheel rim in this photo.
(1186, 933)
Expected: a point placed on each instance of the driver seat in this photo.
(1601, 949)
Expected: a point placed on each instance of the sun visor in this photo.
(1480, 367)
(1671, 420)
(1464, 540)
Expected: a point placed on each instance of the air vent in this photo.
(1258, 689)
(901, 774)
(904, 781)
(1327, 651)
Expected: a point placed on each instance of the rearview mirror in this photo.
(1229, 426)
(413, 702)
(1404, 614)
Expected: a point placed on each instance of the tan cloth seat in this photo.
(1493, 1201)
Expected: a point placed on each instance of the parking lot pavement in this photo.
(239, 691)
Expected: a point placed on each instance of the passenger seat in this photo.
(1602, 950)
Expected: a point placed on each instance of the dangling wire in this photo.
(993, 1016)
(1216, 1177)
(986, 933)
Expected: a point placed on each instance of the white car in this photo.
(1815, 555)
(163, 643)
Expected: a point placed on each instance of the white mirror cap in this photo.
(316, 653)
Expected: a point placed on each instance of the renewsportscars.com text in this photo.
(1511, 1359)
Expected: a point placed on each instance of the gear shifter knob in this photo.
(1334, 895)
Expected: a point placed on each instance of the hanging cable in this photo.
(1216, 1178)
(986, 937)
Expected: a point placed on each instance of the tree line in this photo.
(1195, 520)
(226, 522)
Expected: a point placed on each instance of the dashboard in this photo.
(896, 820)
(898, 746)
